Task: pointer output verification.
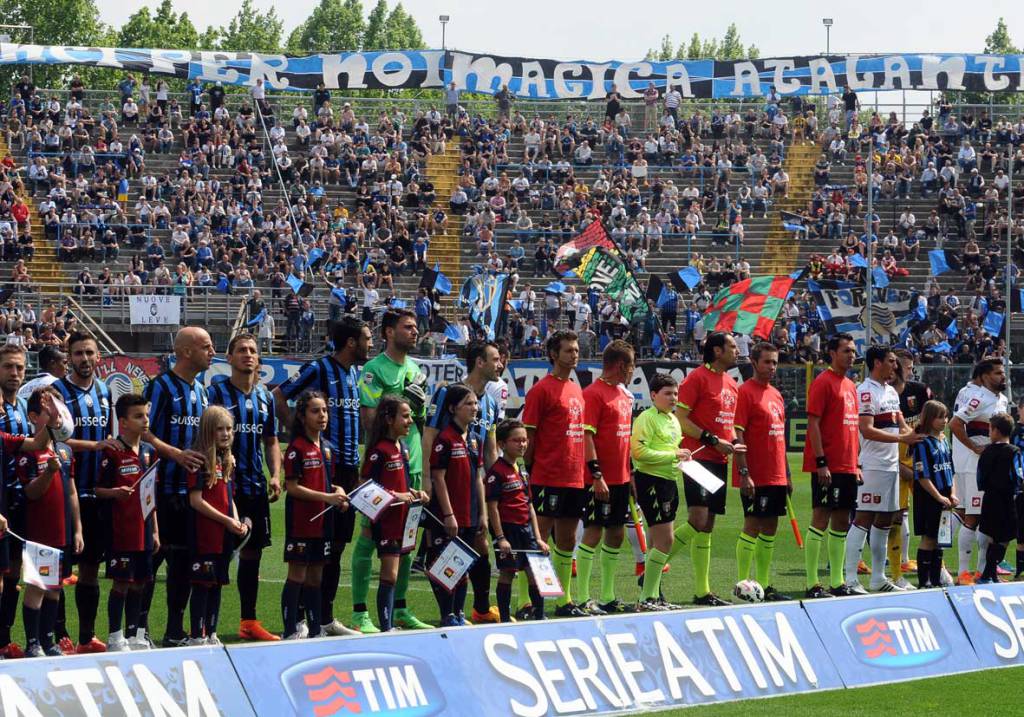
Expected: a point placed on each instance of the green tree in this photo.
(56, 22)
(252, 30)
(401, 31)
(333, 26)
(999, 43)
(164, 29)
(729, 47)
(374, 37)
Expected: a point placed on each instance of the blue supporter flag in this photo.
(440, 325)
(879, 277)
(657, 345)
(435, 280)
(940, 266)
(993, 324)
(339, 294)
(789, 227)
(555, 287)
(858, 260)
(952, 331)
(223, 286)
(685, 279)
(942, 348)
(257, 319)
(397, 303)
(315, 255)
(294, 282)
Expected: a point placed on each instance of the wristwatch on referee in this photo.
(744, 471)
(708, 438)
(821, 462)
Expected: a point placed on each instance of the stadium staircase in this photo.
(781, 253)
(443, 173)
(43, 268)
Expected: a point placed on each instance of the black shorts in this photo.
(927, 512)
(172, 513)
(998, 517)
(257, 509)
(840, 495)
(658, 498)
(520, 537)
(343, 523)
(559, 501)
(210, 569)
(6, 545)
(306, 550)
(95, 529)
(1019, 500)
(439, 540)
(698, 497)
(769, 501)
(611, 514)
(387, 539)
(130, 567)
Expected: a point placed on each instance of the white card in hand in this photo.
(371, 499)
(412, 523)
(452, 565)
(543, 573)
(945, 536)
(701, 475)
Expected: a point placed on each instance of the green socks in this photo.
(745, 547)
(812, 554)
(656, 561)
(763, 553)
(609, 560)
(523, 587)
(402, 581)
(362, 562)
(584, 569)
(684, 535)
(836, 556)
(563, 569)
(700, 551)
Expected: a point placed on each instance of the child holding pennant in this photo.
(213, 521)
(133, 536)
(387, 463)
(52, 524)
(309, 463)
(451, 472)
(511, 513)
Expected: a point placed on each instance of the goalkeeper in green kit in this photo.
(391, 372)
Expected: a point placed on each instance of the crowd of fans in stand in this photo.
(183, 185)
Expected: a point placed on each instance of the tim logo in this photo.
(363, 683)
(896, 637)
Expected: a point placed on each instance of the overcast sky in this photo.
(599, 29)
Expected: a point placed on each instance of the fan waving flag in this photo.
(434, 279)
(749, 306)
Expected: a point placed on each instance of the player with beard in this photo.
(913, 396)
(255, 446)
(706, 409)
(89, 401)
(483, 364)
(391, 372)
(336, 376)
(976, 403)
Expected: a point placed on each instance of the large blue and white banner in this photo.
(546, 78)
(188, 681)
(887, 638)
(604, 665)
(993, 616)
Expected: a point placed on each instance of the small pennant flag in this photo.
(993, 324)
(943, 260)
(435, 280)
(40, 565)
(257, 319)
(223, 286)
(858, 260)
(685, 279)
(440, 325)
(879, 277)
(299, 286)
(749, 307)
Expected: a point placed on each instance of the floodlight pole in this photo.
(869, 228)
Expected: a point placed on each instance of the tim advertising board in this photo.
(561, 667)
(993, 616)
(887, 638)
(186, 682)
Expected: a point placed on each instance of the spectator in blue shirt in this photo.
(195, 96)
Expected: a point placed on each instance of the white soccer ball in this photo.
(67, 423)
(749, 591)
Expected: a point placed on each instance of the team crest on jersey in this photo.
(865, 395)
(912, 403)
(728, 399)
(291, 455)
(248, 403)
(88, 401)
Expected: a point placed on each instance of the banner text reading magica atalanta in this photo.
(549, 79)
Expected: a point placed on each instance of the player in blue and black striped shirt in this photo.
(933, 490)
(483, 365)
(14, 420)
(88, 401)
(336, 376)
(253, 408)
(177, 400)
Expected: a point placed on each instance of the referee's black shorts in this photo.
(697, 496)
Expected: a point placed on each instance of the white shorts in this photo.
(880, 492)
(965, 485)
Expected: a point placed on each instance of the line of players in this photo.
(576, 446)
